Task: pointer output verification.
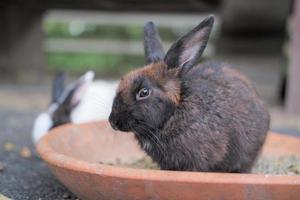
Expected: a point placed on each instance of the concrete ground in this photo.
(24, 175)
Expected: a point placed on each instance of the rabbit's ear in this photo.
(74, 93)
(58, 86)
(186, 51)
(152, 44)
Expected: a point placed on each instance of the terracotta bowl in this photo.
(74, 154)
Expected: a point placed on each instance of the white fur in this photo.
(41, 126)
(95, 104)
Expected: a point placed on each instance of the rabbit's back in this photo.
(220, 88)
(224, 114)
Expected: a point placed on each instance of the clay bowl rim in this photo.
(52, 158)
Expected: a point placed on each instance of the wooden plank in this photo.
(104, 46)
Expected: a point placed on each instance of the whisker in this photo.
(154, 139)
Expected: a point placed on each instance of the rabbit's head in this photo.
(66, 99)
(148, 97)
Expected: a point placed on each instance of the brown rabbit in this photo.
(189, 116)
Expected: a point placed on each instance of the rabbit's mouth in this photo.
(118, 124)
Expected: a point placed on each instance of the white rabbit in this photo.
(84, 100)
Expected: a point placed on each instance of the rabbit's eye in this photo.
(143, 94)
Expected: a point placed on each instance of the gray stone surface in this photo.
(25, 178)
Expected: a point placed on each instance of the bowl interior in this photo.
(97, 143)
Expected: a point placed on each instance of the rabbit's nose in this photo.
(118, 122)
(112, 122)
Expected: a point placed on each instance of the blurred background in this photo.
(40, 38)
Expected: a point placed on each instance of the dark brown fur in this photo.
(156, 72)
(205, 117)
